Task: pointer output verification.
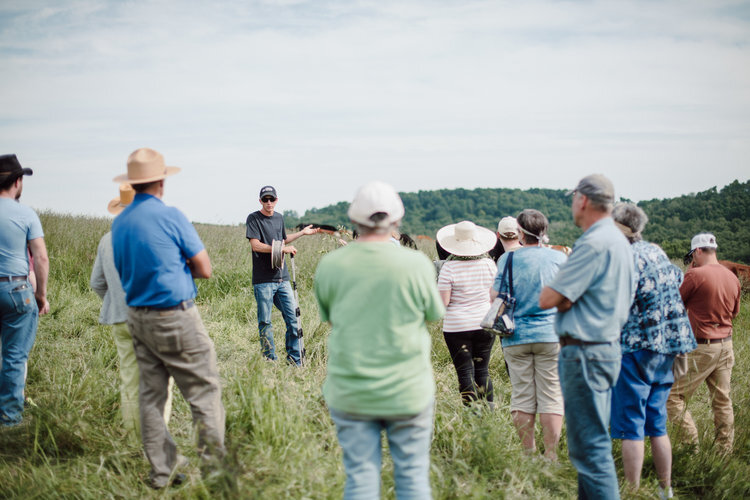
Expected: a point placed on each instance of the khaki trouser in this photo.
(712, 363)
(176, 343)
(129, 382)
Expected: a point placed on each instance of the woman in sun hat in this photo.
(531, 352)
(464, 281)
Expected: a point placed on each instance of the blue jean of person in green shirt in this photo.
(378, 298)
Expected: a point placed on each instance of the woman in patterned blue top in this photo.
(656, 331)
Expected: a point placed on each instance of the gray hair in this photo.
(631, 219)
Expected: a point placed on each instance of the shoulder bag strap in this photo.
(509, 267)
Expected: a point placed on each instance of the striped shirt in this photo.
(469, 283)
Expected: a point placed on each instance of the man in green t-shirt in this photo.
(377, 297)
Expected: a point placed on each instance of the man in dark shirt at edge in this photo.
(271, 286)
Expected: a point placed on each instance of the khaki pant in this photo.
(129, 382)
(176, 343)
(712, 363)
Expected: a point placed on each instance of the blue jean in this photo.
(587, 375)
(409, 440)
(18, 320)
(279, 295)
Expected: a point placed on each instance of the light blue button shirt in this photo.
(599, 279)
(533, 268)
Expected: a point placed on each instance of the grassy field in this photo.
(280, 438)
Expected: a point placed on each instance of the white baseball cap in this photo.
(376, 204)
(508, 227)
(703, 240)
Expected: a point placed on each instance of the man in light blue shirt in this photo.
(593, 292)
(20, 304)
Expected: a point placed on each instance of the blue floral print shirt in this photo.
(658, 319)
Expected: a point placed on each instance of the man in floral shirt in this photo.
(656, 331)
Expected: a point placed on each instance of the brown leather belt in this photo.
(566, 341)
(714, 341)
(6, 279)
(184, 305)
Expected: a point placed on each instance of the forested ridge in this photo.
(672, 221)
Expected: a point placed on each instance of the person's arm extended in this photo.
(200, 265)
(550, 298)
(41, 268)
(308, 230)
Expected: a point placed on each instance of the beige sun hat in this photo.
(127, 193)
(466, 239)
(146, 165)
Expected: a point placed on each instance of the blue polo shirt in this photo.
(599, 279)
(151, 244)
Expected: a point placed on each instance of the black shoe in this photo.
(178, 479)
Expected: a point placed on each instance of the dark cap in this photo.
(11, 168)
(596, 187)
(267, 191)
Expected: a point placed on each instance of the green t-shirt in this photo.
(378, 297)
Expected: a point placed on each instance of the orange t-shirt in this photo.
(711, 294)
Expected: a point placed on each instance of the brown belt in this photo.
(12, 278)
(714, 341)
(566, 341)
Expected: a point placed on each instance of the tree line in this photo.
(672, 221)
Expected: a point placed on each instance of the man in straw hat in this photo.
(271, 284)
(20, 303)
(592, 292)
(106, 283)
(157, 254)
(378, 296)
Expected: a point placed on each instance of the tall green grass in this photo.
(281, 441)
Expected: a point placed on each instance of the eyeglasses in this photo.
(267, 199)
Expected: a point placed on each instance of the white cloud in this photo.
(319, 97)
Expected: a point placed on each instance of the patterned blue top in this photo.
(658, 319)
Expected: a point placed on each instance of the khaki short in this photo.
(534, 377)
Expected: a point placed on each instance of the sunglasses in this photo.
(267, 199)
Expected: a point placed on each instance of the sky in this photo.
(319, 97)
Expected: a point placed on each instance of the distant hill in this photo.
(672, 222)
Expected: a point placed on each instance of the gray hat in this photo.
(267, 191)
(596, 187)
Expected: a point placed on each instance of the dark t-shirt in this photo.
(266, 229)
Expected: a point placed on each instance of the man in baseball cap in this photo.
(271, 284)
(378, 297)
(20, 304)
(711, 294)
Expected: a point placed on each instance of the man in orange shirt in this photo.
(711, 294)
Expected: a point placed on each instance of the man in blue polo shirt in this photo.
(20, 304)
(157, 254)
(592, 292)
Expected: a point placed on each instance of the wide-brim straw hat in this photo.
(466, 239)
(117, 205)
(146, 165)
